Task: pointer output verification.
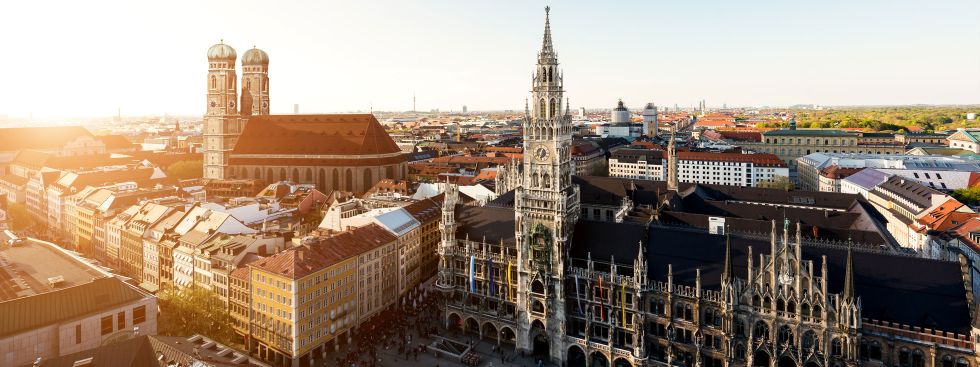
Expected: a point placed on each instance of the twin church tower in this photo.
(227, 111)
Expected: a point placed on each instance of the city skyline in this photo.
(379, 55)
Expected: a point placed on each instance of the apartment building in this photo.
(943, 173)
(732, 169)
(304, 300)
(790, 144)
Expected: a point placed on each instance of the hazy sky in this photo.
(86, 58)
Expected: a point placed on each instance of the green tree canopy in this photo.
(194, 310)
(184, 170)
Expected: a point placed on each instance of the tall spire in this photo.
(849, 277)
(726, 275)
(673, 181)
(546, 47)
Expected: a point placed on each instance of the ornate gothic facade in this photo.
(606, 290)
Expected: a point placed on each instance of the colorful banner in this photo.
(509, 295)
(490, 276)
(622, 301)
(602, 313)
(472, 274)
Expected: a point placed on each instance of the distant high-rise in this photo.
(650, 120)
(581, 111)
(464, 108)
(296, 108)
(620, 114)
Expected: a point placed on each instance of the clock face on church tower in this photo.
(541, 154)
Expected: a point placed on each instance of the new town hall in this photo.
(594, 271)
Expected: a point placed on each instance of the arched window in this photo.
(554, 107)
(546, 180)
(537, 287)
(309, 175)
(785, 336)
(336, 180)
(537, 307)
(740, 352)
(551, 75)
(282, 174)
(295, 175)
(809, 340)
(837, 347)
(321, 181)
(368, 179)
(761, 331)
(390, 172)
(349, 180)
(542, 111)
(780, 305)
(269, 178)
(816, 313)
(962, 362)
(739, 327)
(248, 83)
(767, 303)
(918, 358)
(258, 173)
(791, 307)
(756, 301)
(214, 82)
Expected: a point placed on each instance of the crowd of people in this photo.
(397, 329)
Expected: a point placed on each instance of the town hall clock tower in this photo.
(547, 207)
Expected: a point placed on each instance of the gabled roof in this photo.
(53, 137)
(49, 308)
(300, 261)
(334, 134)
(115, 142)
(867, 178)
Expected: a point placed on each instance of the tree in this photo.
(184, 170)
(969, 195)
(194, 310)
(601, 170)
(777, 182)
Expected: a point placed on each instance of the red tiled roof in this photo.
(471, 160)
(946, 216)
(298, 262)
(388, 185)
(741, 135)
(486, 174)
(55, 137)
(115, 142)
(352, 162)
(504, 149)
(837, 172)
(334, 134)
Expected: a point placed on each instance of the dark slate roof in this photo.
(130, 352)
(907, 290)
(867, 178)
(909, 189)
(496, 224)
(32, 312)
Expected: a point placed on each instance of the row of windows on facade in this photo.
(108, 327)
(231, 83)
(813, 141)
